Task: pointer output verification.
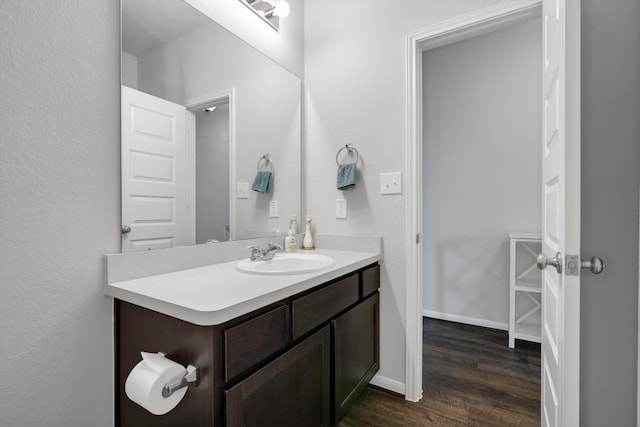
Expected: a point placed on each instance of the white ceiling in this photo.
(149, 23)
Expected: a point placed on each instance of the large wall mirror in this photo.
(210, 132)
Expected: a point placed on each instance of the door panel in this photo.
(561, 212)
(154, 179)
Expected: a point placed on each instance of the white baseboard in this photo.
(465, 319)
(389, 384)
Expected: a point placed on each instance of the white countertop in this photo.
(216, 293)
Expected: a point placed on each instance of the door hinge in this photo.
(572, 265)
(417, 238)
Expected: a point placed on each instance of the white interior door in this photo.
(561, 212)
(154, 179)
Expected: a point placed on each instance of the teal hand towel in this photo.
(347, 176)
(263, 182)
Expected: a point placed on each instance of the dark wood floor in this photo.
(470, 378)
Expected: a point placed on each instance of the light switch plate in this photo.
(242, 190)
(341, 209)
(391, 183)
(273, 209)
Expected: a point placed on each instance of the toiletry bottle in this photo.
(307, 242)
(290, 242)
(293, 224)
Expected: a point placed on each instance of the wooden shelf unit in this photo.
(525, 281)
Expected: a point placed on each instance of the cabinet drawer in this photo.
(370, 280)
(319, 306)
(252, 341)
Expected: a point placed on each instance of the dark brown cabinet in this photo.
(356, 352)
(293, 390)
(254, 340)
(301, 361)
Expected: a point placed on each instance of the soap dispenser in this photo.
(307, 242)
(290, 244)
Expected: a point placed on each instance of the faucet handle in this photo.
(274, 246)
(255, 252)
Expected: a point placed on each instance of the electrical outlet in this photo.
(242, 190)
(391, 183)
(273, 209)
(341, 209)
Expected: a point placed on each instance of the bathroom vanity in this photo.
(301, 358)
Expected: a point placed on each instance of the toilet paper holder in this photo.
(191, 376)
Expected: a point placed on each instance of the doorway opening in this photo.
(481, 175)
(211, 163)
(212, 221)
(478, 23)
(482, 169)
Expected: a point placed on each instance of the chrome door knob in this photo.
(126, 229)
(595, 264)
(543, 262)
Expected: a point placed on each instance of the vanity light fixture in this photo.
(281, 10)
(269, 10)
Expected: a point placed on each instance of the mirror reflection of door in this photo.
(155, 185)
(164, 205)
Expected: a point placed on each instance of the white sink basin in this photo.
(287, 263)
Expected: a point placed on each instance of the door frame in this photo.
(480, 22)
(209, 100)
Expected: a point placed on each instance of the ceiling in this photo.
(142, 31)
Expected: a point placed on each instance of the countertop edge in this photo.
(217, 317)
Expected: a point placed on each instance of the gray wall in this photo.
(610, 165)
(59, 209)
(481, 169)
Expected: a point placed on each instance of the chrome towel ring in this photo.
(265, 161)
(350, 149)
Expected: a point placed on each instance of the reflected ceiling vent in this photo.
(269, 10)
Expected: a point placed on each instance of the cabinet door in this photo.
(293, 390)
(356, 348)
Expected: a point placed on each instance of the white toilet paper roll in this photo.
(146, 380)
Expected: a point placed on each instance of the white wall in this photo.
(481, 168)
(285, 46)
(355, 92)
(267, 110)
(59, 209)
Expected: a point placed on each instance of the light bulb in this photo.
(281, 9)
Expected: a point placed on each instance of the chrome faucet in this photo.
(271, 250)
(264, 255)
